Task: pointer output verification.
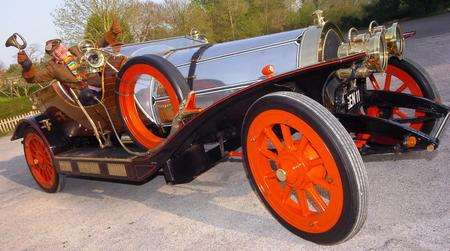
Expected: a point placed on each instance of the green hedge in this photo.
(14, 106)
(388, 10)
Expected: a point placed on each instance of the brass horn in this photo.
(12, 41)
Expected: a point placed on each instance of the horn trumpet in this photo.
(12, 41)
(95, 58)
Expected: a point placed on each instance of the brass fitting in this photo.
(394, 40)
(318, 18)
(360, 72)
(372, 43)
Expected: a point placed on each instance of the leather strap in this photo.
(194, 60)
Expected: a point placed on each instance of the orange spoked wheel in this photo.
(305, 168)
(136, 101)
(402, 76)
(296, 173)
(40, 162)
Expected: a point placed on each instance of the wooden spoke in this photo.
(274, 139)
(287, 136)
(303, 202)
(285, 195)
(374, 82)
(302, 143)
(401, 88)
(387, 82)
(400, 113)
(318, 201)
(270, 175)
(268, 154)
(321, 182)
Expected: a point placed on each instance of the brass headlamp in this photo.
(372, 43)
(393, 35)
(394, 40)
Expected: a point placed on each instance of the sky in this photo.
(31, 19)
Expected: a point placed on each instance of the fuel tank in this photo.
(226, 67)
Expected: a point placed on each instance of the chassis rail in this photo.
(397, 128)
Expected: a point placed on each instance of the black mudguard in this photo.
(54, 138)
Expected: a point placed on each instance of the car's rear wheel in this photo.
(137, 103)
(304, 167)
(40, 162)
(404, 76)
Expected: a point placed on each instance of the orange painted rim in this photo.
(406, 84)
(295, 171)
(39, 159)
(129, 110)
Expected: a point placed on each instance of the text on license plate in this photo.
(353, 98)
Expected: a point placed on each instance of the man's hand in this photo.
(22, 57)
(116, 29)
(24, 61)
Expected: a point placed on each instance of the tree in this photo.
(182, 16)
(302, 16)
(227, 17)
(147, 21)
(99, 23)
(2, 73)
(72, 17)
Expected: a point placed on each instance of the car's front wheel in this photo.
(402, 76)
(304, 167)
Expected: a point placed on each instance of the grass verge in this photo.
(14, 106)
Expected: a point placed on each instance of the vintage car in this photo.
(302, 106)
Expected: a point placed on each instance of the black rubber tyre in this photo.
(57, 184)
(175, 80)
(425, 82)
(343, 150)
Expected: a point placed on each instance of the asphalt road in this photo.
(409, 197)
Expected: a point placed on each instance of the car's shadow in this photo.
(400, 156)
(16, 170)
(201, 200)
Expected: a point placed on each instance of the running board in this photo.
(111, 163)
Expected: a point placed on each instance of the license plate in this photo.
(353, 98)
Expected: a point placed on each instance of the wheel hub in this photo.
(292, 167)
(281, 175)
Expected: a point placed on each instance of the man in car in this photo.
(63, 66)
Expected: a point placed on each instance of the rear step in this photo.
(112, 163)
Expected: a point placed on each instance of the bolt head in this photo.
(281, 175)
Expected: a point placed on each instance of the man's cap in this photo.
(50, 45)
